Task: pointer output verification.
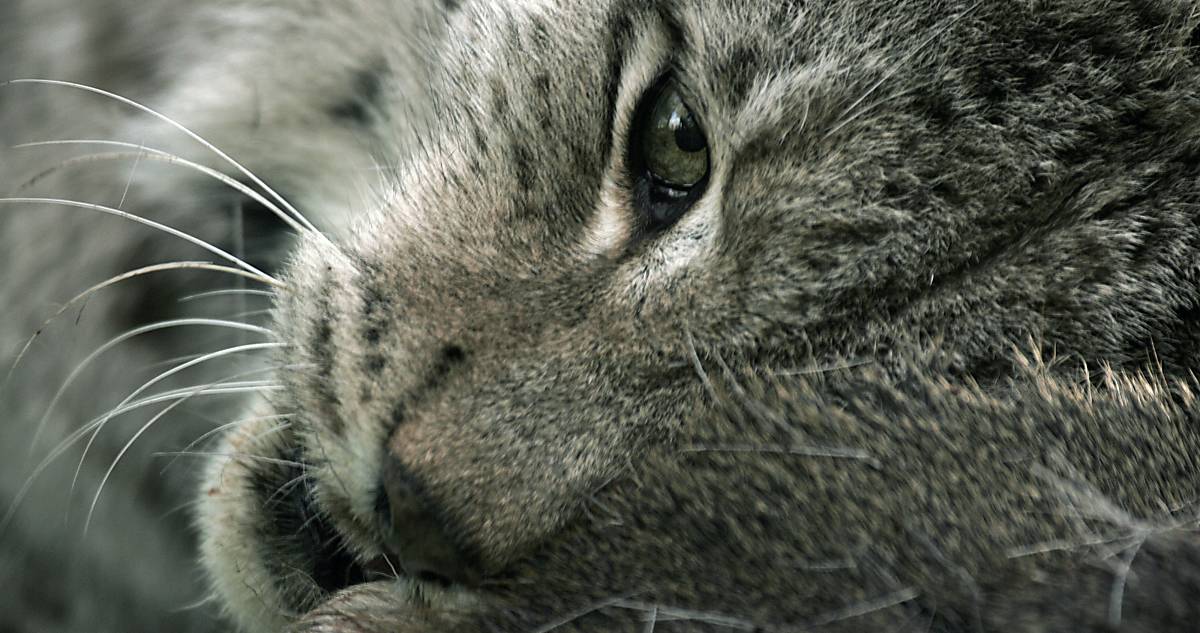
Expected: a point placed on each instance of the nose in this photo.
(419, 537)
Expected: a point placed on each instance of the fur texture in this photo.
(919, 358)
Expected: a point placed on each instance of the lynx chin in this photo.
(596, 316)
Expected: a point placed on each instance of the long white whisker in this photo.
(269, 460)
(182, 128)
(225, 427)
(202, 390)
(225, 293)
(252, 313)
(251, 386)
(99, 208)
(154, 154)
(287, 487)
(104, 480)
(169, 361)
(129, 181)
(111, 343)
(145, 270)
(159, 378)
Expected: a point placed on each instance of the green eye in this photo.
(673, 144)
(670, 158)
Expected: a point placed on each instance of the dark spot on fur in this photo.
(447, 359)
(583, 159)
(381, 506)
(522, 166)
(374, 311)
(540, 34)
(937, 106)
(672, 24)
(541, 85)
(1150, 15)
(321, 349)
(736, 74)
(481, 143)
(363, 101)
(453, 355)
(399, 415)
(621, 31)
(512, 35)
(450, 6)
(499, 98)
(375, 363)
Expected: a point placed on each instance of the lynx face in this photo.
(616, 199)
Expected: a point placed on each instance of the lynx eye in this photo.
(669, 155)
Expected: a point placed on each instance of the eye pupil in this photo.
(688, 136)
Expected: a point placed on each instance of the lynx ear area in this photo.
(865, 491)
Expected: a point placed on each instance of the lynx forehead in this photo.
(702, 315)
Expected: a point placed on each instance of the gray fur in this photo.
(920, 359)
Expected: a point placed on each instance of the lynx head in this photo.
(617, 198)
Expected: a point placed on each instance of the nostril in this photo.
(453, 355)
(419, 536)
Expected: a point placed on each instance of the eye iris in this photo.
(674, 146)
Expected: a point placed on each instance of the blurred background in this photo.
(134, 568)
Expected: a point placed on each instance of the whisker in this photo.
(228, 389)
(865, 607)
(151, 153)
(664, 613)
(180, 507)
(203, 602)
(145, 270)
(159, 378)
(252, 313)
(99, 208)
(111, 343)
(225, 293)
(833, 452)
(826, 369)
(287, 487)
(129, 181)
(87, 522)
(155, 366)
(202, 390)
(182, 128)
(697, 365)
(229, 425)
(207, 454)
(568, 618)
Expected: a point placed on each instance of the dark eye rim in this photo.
(660, 204)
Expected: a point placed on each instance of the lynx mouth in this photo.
(295, 522)
(278, 558)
